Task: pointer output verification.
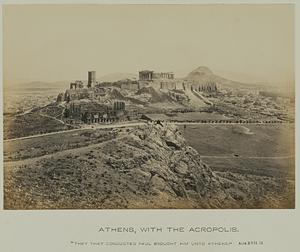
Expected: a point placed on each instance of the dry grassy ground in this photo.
(48, 144)
(147, 167)
(266, 150)
(30, 124)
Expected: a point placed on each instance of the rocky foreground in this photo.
(147, 167)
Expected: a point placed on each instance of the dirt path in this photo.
(14, 164)
(194, 100)
(203, 98)
(245, 157)
(101, 126)
(135, 124)
(54, 118)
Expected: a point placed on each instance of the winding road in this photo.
(98, 126)
(131, 124)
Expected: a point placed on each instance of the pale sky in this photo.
(63, 42)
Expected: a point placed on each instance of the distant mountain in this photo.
(117, 76)
(204, 74)
(38, 86)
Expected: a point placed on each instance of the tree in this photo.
(67, 113)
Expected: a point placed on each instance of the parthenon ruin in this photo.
(147, 75)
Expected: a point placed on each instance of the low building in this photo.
(76, 85)
(77, 94)
(105, 113)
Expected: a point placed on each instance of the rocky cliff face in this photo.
(147, 167)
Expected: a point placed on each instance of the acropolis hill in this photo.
(160, 94)
(96, 102)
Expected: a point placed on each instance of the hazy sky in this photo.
(63, 42)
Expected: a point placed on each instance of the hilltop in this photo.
(203, 74)
(151, 166)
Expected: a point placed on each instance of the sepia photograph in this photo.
(163, 106)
